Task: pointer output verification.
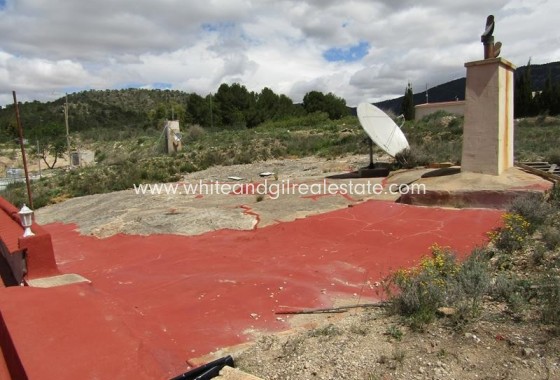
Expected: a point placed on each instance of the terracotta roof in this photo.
(10, 230)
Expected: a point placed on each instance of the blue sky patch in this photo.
(216, 26)
(348, 53)
(2, 4)
(162, 85)
(155, 85)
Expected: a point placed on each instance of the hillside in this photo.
(230, 106)
(455, 89)
(93, 109)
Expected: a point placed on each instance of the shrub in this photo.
(410, 158)
(441, 281)
(195, 132)
(554, 197)
(514, 291)
(473, 281)
(532, 208)
(513, 234)
(421, 291)
(551, 237)
(394, 332)
(554, 157)
(327, 331)
(551, 301)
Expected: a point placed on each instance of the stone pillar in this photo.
(488, 128)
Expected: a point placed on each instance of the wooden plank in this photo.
(540, 173)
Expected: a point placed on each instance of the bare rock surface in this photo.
(250, 202)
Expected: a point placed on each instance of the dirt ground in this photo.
(367, 344)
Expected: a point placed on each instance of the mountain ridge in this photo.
(455, 89)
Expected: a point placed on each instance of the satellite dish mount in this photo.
(382, 131)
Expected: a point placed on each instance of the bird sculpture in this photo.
(489, 29)
(491, 50)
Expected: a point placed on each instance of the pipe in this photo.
(207, 371)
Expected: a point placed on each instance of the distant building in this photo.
(457, 108)
(82, 157)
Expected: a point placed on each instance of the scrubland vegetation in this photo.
(129, 155)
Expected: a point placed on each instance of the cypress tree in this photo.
(407, 106)
(523, 98)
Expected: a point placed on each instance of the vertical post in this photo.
(211, 114)
(39, 160)
(489, 47)
(67, 131)
(20, 132)
(371, 164)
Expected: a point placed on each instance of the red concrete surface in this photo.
(40, 260)
(156, 301)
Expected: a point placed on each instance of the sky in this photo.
(360, 50)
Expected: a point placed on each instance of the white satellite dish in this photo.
(381, 129)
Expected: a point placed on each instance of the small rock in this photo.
(446, 311)
(473, 337)
(527, 351)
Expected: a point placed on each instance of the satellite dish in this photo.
(381, 129)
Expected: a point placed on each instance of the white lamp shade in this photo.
(26, 216)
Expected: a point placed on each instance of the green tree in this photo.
(524, 104)
(268, 105)
(407, 105)
(286, 107)
(52, 141)
(237, 105)
(336, 106)
(548, 100)
(198, 109)
(316, 101)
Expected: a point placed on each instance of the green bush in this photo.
(411, 158)
(551, 301)
(440, 281)
(473, 280)
(550, 237)
(553, 157)
(327, 331)
(194, 132)
(513, 234)
(554, 197)
(422, 290)
(515, 291)
(532, 208)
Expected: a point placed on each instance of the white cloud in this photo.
(59, 45)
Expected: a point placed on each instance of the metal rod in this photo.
(39, 159)
(371, 165)
(20, 132)
(67, 130)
